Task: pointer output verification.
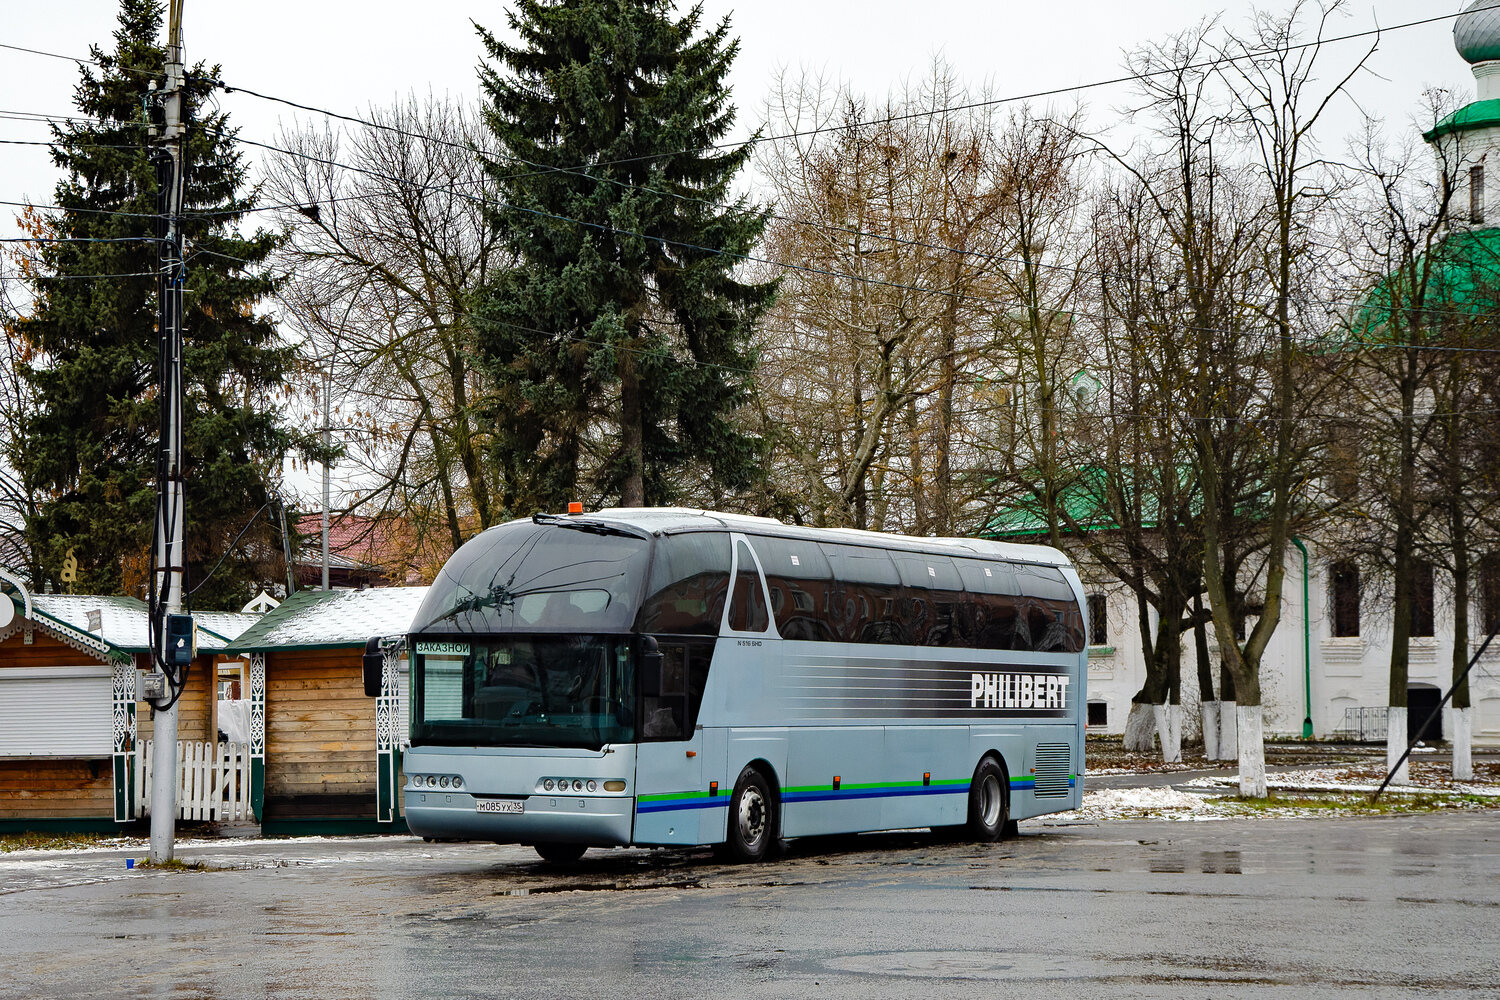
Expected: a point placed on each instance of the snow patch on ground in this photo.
(1138, 803)
(1351, 780)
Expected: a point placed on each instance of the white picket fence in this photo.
(213, 781)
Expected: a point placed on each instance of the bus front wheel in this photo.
(560, 854)
(989, 805)
(752, 818)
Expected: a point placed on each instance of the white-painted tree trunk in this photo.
(1395, 745)
(1170, 733)
(1229, 744)
(1252, 751)
(1174, 716)
(1175, 723)
(1210, 710)
(1463, 743)
(1140, 727)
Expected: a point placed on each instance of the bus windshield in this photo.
(524, 690)
(538, 577)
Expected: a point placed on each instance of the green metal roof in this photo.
(1480, 114)
(1462, 273)
(1087, 504)
(1083, 501)
(332, 619)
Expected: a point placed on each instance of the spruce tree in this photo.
(618, 345)
(88, 452)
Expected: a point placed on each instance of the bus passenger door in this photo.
(675, 800)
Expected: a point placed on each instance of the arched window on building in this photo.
(1343, 599)
(1422, 618)
(1098, 620)
(1489, 594)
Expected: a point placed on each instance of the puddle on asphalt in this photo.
(1209, 863)
(965, 965)
(540, 890)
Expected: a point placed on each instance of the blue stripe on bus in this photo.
(871, 793)
(1021, 784)
(708, 803)
(1016, 784)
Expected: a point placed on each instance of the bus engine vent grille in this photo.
(1054, 763)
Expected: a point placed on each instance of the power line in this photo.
(950, 109)
(663, 241)
(698, 248)
(583, 170)
(78, 277)
(43, 118)
(68, 144)
(79, 61)
(802, 133)
(85, 211)
(900, 241)
(82, 239)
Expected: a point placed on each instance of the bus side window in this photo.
(800, 582)
(747, 609)
(995, 617)
(868, 590)
(689, 578)
(933, 593)
(1054, 617)
(684, 675)
(665, 717)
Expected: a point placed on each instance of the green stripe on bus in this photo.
(846, 786)
(662, 796)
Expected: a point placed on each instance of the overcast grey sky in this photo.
(344, 56)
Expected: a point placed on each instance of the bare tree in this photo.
(921, 239)
(388, 239)
(1278, 98)
(1421, 341)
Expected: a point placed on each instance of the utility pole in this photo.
(171, 645)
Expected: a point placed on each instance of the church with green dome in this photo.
(1468, 136)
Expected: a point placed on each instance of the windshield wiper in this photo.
(498, 597)
(593, 527)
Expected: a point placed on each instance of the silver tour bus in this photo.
(683, 677)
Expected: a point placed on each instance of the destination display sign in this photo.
(443, 648)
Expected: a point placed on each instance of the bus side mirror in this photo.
(650, 671)
(373, 664)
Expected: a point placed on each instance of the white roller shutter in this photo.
(56, 712)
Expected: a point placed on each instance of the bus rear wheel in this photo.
(989, 803)
(752, 818)
(556, 853)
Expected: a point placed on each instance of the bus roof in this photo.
(673, 520)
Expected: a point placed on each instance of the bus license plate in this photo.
(500, 806)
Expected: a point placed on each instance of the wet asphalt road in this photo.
(1387, 907)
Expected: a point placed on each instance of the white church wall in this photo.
(1345, 672)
